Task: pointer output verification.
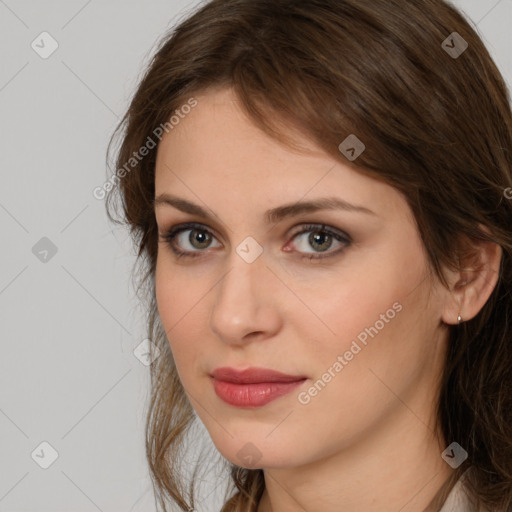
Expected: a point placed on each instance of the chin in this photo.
(256, 452)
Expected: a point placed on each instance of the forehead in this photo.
(218, 130)
(217, 151)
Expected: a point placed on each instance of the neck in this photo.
(398, 468)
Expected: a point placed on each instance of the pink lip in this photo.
(253, 387)
(253, 375)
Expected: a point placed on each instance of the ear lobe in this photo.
(474, 284)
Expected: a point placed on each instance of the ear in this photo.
(470, 288)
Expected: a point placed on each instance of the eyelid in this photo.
(320, 226)
(169, 235)
(301, 228)
(337, 234)
(176, 228)
(185, 226)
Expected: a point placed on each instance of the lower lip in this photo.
(252, 395)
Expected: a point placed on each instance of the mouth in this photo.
(253, 375)
(253, 387)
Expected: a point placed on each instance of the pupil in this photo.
(322, 239)
(200, 237)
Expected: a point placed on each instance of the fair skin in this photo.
(366, 440)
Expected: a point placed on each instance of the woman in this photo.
(318, 193)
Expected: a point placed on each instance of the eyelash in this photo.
(172, 233)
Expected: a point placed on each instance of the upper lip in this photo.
(253, 375)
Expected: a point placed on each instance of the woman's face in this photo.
(349, 307)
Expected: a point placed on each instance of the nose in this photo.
(246, 304)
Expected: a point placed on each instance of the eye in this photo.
(198, 238)
(321, 239)
(190, 239)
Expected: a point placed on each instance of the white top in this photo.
(458, 500)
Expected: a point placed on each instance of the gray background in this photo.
(70, 324)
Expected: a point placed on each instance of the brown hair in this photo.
(436, 126)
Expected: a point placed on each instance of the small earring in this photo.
(459, 319)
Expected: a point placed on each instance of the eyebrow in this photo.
(273, 215)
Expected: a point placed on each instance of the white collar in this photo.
(458, 499)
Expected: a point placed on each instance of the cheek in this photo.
(181, 300)
(364, 291)
(369, 312)
(375, 312)
(178, 290)
(357, 374)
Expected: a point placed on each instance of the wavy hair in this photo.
(437, 127)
